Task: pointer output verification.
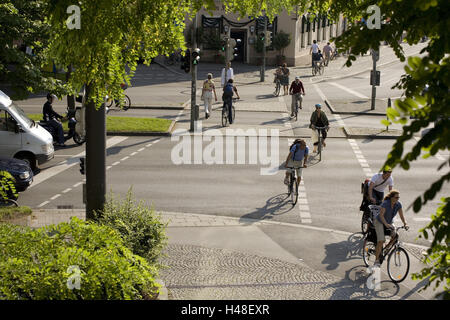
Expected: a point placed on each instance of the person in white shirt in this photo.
(314, 51)
(327, 51)
(227, 74)
(378, 183)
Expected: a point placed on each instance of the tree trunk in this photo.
(95, 158)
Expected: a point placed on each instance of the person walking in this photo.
(318, 119)
(227, 74)
(285, 78)
(327, 49)
(296, 90)
(207, 91)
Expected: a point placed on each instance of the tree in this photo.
(104, 51)
(22, 27)
(415, 19)
(281, 41)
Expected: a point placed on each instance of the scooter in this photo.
(71, 124)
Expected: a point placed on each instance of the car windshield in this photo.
(21, 115)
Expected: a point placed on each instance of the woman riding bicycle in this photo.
(389, 208)
(298, 152)
(318, 119)
(227, 98)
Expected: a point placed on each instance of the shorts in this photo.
(297, 165)
(379, 229)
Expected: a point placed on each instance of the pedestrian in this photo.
(53, 119)
(327, 49)
(296, 90)
(318, 119)
(313, 51)
(285, 78)
(227, 74)
(207, 91)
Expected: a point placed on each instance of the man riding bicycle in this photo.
(297, 152)
(296, 90)
(318, 119)
(227, 98)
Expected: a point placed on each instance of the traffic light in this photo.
(196, 56)
(82, 160)
(268, 38)
(186, 66)
(262, 36)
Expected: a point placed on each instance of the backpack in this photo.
(228, 90)
(365, 188)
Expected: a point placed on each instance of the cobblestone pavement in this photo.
(200, 273)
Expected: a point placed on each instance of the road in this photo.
(237, 173)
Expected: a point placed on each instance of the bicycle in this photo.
(124, 103)
(293, 182)
(225, 113)
(370, 210)
(397, 257)
(317, 68)
(297, 98)
(8, 203)
(277, 87)
(320, 141)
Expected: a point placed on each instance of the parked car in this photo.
(20, 170)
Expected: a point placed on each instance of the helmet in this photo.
(318, 105)
(51, 95)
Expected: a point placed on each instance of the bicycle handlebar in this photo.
(295, 167)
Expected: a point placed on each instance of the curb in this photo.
(333, 111)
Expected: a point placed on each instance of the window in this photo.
(210, 36)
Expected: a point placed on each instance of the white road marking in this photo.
(353, 92)
(124, 158)
(55, 196)
(141, 149)
(116, 163)
(64, 165)
(43, 204)
(67, 190)
(77, 184)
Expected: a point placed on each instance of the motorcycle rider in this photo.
(52, 118)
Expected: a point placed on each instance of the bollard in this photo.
(389, 105)
(196, 112)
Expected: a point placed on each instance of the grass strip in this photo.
(125, 124)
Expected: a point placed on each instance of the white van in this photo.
(21, 137)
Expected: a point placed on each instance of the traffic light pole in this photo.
(263, 68)
(194, 74)
(374, 73)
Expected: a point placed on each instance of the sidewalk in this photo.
(223, 258)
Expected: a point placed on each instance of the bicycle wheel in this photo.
(233, 113)
(319, 147)
(365, 222)
(314, 71)
(368, 252)
(225, 116)
(321, 68)
(398, 265)
(294, 193)
(277, 89)
(125, 103)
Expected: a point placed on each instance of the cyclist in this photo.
(296, 90)
(378, 183)
(389, 208)
(227, 97)
(52, 118)
(318, 119)
(297, 152)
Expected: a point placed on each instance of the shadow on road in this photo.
(275, 206)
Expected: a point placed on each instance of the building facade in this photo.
(302, 31)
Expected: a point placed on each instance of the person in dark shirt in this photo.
(318, 119)
(52, 118)
(296, 90)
